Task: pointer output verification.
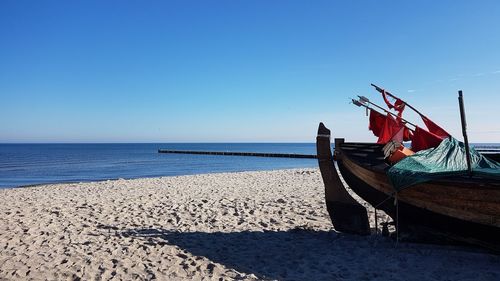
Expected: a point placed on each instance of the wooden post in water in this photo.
(464, 130)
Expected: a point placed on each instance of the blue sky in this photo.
(240, 71)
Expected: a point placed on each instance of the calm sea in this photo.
(28, 164)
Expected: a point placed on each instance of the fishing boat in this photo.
(460, 206)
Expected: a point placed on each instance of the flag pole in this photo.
(464, 130)
(360, 103)
(393, 96)
(364, 99)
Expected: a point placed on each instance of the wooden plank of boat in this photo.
(463, 208)
(466, 199)
(346, 213)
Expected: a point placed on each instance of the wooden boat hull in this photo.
(462, 209)
(346, 213)
(492, 156)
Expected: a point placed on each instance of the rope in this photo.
(396, 202)
(390, 196)
(397, 218)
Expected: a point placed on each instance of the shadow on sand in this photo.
(319, 255)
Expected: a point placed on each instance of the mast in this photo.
(464, 130)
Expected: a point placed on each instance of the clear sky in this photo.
(240, 71)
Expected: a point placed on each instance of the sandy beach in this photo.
(229, 226)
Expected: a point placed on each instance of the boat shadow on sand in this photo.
(300, 254)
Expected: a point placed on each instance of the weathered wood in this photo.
(459, 200)
(463, 208)
(346, 213)
(231, 153)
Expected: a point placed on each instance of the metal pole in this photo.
(464, 130)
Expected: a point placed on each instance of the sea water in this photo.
(30, 164)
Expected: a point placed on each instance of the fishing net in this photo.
(447, 159)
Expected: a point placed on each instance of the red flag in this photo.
(385, 127)
(398, 105)
(423, 139)
(391, 127)
(407, 134)
(399, 135)
(377, 122)
(434, 128)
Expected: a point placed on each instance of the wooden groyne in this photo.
(231, 153)
(493, 154)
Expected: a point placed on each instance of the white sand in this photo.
(233, 226)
